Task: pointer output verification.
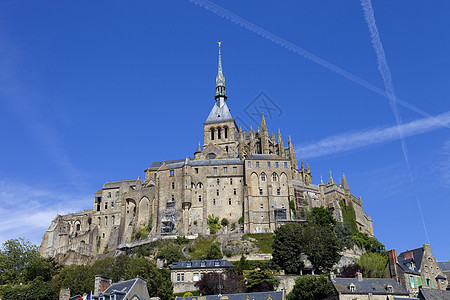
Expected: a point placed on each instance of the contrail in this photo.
(385, 73)
(218, 10)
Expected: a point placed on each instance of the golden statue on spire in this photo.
(219, 43)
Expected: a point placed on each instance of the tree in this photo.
(36, 290)
(311, 288)
(15, 255)
(242, 265)
(78, 278)
(287, 248)
(214, 251)
(261, 281)
(343, 233)
(321, 246)
(321, 216)
(229, 283)
(350, 271)
(41, 266)
(370, 243)
(373, 265)
(224, 222)
(171, 254)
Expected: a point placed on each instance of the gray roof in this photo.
(220, 112)
(116, 184)
(444, 265)
(202, 264)
(214, 162)
(431, 294)
(121, 289)
(417, 254)
(276, 295)
(266, 156)
(157, 164)
(368, 285)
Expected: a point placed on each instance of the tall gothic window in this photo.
(212, 133)
(219, 131)
(225, 132)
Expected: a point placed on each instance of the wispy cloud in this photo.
(27, 210)
(358, 139)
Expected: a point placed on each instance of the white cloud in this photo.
(358, 139)
(27, 211)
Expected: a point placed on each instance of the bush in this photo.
(311, 288)
(224, 222)
(214, 251)
(213, 224)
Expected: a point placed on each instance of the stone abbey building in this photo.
(249, 178)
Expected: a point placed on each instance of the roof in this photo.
(202, 264)
(121, 289)
(444, 265)
(116, 184)
(275, 295)
(220, 112)
(431, 294)
(266, 156)
(214, 162)
(157, 164)
(368, 285)
(417, 255)
(441, 277)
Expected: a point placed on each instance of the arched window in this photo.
(219, 131)
(212, 134)
(263, 177)
(274, 177)
(106, 221)
(225, 132)
(78, 227)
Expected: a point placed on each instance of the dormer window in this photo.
(203, 263)
(352, 288)
(389, 288)
(216, 263)
(188, 264)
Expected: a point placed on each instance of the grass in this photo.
(200, 247)
(263, 241)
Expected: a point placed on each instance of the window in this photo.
(106, 221)
(215, 170)
(260, 192)
(268, 164)
(78, 227)
(112, 221)
(218, 181)
(182, 276)
(231, 180)
(173, 197)
(352, 288)
(285, 164)
(192, 185)
(274, 177)
(214, 201)
(195, 278)
(229, 201)
(109, 194)
(112, 204)
(226, 149)
(263, 177)
(201, 275)
(219, 131)
(216, 263)
(278, 192)
(249, 164)
(171, 173)
(106, 205)
(188, 264)
(234, 191)
(178, 277)
(276, 165)
(217, 192)
(173, 185)
(202, 264)
(225, 132)
(199, 198)
(196, 170)
(234, 170)
(212, 134)
(200, 185)
(262, 207)
(225, 170)
(257, 164)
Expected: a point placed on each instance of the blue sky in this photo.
(95, 91)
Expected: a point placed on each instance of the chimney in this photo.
(408, 255)
(392, 254)
(359, 276)
(101, 284)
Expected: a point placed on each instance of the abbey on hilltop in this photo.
(249, 178)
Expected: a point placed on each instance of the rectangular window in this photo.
(218, 181)
(229, 201)
(268, 164)
(195, 278)
(112, 204)
(411, 281)
(196, 170)
(234, 191)
(278, 192)
(171, 173)
(225, 170)
(419, 281)
(217, 192)
(201, 275)
(106, 205)
(276, 165)
(257, 164)
(260, 192)
(262, 207)
(178, 277)
(199, 198)
(249, 164)
(182, 276)
(235, 170)
(173, 197)
(215, 170)
(173, 185)
(214, 201)
(231, 180)
(285, 164)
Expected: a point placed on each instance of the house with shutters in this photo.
(415, 269)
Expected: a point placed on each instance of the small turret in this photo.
(292, 156)
(281, 150)
(344, 184)
(199, 149)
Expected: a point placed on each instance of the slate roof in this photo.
(197, 264)
(220, 112)
(116, 184)
(157, 164)
(368, 285)
(417, 254)
(266, 156)
(431, 294)
(214, 162)
(276, 295)
(444, 265)
(121, 289)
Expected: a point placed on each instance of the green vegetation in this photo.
(263, 241)
(242, 265)
(349, 216)
(214, 251)
(170, 254)
(224, 222)
(213, 224)
(261, 281)
(311, 288)
(200, 247)
(321, 216)
(373, 265)
(371, 244)
(184, 294)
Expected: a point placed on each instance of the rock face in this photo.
(248, 178)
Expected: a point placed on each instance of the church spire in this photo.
(220, 79)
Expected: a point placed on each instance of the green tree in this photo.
(373, 265)
(229, 282)
(35, 290)
(171, 253)
(311, 288)
(343, 233)
(369, 243)
(78, 278)
(321, 246)
(242, 265)
(287, 248)
(15, 255)
(213, 224)
(214, 251)
(224, 222)
(261, 281)
(40, 266)
(321, 216)
(349, 216)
